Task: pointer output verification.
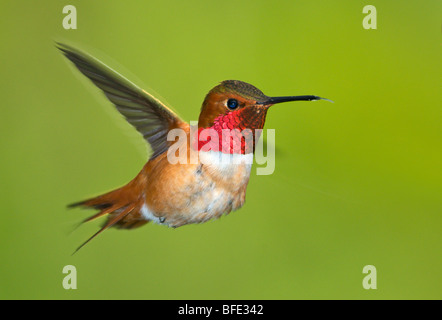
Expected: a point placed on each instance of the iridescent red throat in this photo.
(234, 132)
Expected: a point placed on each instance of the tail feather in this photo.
(122, 214)
(104, 212)
(121, 206)
(84, 203)
(109, 223)
(101, 202)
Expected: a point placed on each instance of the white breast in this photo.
(227, 164)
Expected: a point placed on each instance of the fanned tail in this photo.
(111, 221)
(121, 206)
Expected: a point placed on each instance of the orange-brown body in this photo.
(179, 194)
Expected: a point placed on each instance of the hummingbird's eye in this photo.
(232, 104)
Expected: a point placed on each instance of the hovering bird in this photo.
(176, 194)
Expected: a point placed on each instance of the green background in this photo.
(357, 182)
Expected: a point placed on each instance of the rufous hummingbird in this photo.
(176, 194)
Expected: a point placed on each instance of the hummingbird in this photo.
(177, 194)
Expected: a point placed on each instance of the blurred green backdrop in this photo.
(357, 182)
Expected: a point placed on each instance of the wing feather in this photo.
(142, 110)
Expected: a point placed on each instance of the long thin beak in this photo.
(275, 100)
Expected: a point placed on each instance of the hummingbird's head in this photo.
(234, 101)
(238, 106)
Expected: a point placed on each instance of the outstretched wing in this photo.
(146, 113)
